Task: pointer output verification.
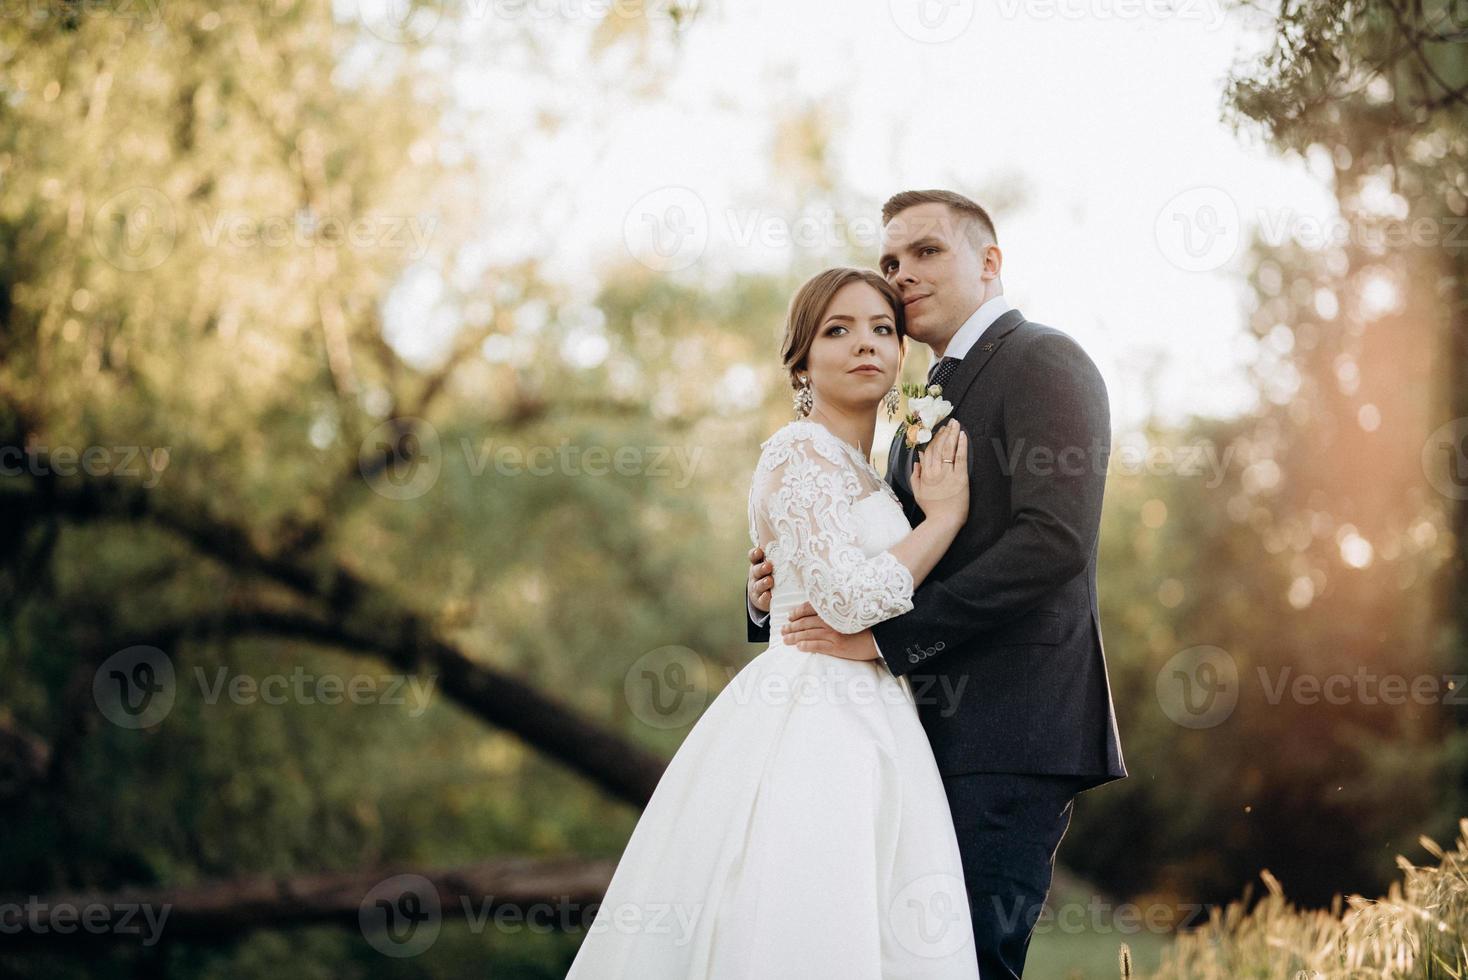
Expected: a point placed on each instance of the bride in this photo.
(801, 830)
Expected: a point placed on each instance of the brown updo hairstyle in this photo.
(809, 304)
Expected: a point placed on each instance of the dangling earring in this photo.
(893, 402)
(804, 400)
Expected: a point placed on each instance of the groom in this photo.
(1008, 618)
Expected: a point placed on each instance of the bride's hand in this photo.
(940, 475)
(761, 580)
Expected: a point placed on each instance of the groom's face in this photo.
(928, 255)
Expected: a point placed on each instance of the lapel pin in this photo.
(986, 347)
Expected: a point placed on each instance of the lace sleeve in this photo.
(806, 488)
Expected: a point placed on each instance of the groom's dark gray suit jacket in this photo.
(1003, 643)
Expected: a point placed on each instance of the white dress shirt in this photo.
(973, 328)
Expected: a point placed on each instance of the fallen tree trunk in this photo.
(514, 893)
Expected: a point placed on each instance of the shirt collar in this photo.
(974, 327)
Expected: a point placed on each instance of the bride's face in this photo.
(856, 354)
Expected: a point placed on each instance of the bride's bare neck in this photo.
(856, 428)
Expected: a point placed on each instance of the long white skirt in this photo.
(801, 831)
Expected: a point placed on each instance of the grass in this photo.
(1073, 942)
(1418, 931)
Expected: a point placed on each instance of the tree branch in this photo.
(360, 617)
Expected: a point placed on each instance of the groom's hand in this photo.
(761, 580)
(807, 631)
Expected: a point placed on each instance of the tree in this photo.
(206, 422)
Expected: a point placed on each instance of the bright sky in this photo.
(1090, 127)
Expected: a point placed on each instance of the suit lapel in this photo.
(897, 463)
(978, 356)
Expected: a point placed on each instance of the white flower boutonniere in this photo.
(925, 409)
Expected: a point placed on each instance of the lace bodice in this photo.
(825, 519)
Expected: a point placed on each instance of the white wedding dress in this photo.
(801, 830)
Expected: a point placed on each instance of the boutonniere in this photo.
(925, 409)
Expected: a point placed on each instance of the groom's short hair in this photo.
(978, 224)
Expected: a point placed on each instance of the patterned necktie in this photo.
(940, 372)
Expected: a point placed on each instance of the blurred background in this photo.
(380, 385)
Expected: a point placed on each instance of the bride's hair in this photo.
(809, 305)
